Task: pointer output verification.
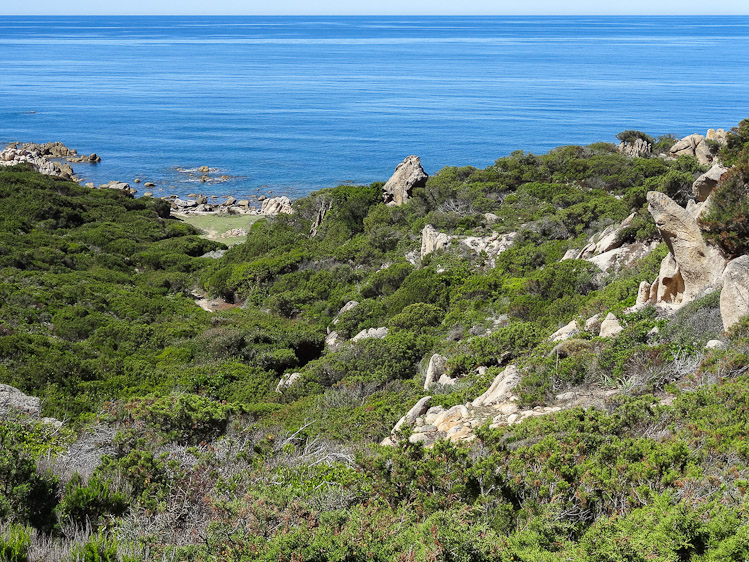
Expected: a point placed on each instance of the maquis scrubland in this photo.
(543, 360)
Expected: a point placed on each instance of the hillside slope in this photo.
(558, 321)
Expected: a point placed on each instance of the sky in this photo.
(377, 7)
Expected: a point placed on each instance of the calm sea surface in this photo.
(289, 105)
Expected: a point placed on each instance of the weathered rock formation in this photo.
(333, 341)
(607, 251)
(370, 333)
(565, 332)
(408, 175)
(610, 327)
(322, 210)
(350, 305)
(500, 388)
(287, 381)
(435, 370)
(691, 265)
(719, 136)
(277, 205)
(432, 240)
(734, 298)
(692, 145)
(704, 185)
(638, 148)
(492, 245)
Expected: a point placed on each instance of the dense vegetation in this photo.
(176, 445)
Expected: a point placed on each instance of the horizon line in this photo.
(337, 15)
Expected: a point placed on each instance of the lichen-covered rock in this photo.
(13, 400)
(408, 175)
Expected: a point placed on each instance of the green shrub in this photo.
(726, 221)
(15, 541)
(90, 503)
(630, 136)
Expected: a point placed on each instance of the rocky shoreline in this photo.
(54, 159)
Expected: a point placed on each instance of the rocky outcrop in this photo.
(418, 409)
(408, 175)
(719, 136)
(691, 265)
(277, 205)
(607, 251)
(621, 257)
(333, 341)
(13, 401)
(377, 333)
(498, 406)
(491, 246)
(435, 370)
(703, 186)
(608, 240)
(432, 240)
(322, 210)
(500, 388)
(287, 381)
(350, 305)
(565, 332)
(610, 327)
(637, 148)
(692, 145)
(734, 298)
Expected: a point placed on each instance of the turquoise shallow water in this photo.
(293, 104)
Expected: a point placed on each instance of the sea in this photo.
(289, 105)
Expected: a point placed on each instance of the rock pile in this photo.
(497, 406)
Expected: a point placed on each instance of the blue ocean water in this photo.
(291, 104)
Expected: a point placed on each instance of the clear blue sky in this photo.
(377, 7)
